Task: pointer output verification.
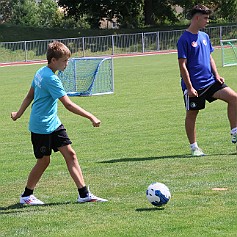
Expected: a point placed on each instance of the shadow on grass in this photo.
(19, 207)
(160, 157)
(144, 158)
(150, 209)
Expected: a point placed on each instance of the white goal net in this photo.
(88, 76)
(229, 52)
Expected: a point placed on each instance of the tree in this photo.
(148, 12)
(5, 10)
(133, 13)
(226, 9)
(48, 13)
(163, 11)
(128, 14)
(73, 8)
(30, 13)
(24, 12)
(223, 9)
(93, 10)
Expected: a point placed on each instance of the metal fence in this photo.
(25, 51)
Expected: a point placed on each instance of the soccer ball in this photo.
(158, 194)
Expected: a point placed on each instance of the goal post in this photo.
(88, 76)
(229, 52)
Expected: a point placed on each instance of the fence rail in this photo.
(25, 51)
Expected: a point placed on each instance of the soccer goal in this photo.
(229, 52)
(88, 76)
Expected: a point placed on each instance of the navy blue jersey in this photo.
(196, 48)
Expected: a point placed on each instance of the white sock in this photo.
(233, 131)
(194, 145)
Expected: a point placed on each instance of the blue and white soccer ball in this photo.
(158, 194)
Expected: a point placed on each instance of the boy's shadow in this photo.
(17, 207)
(184, 156)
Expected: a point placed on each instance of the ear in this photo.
(196, 17)
(53, 60)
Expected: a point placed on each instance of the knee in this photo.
(72, 155)
(45, 161)
(72, 152)
(233, 100)
(235, 97)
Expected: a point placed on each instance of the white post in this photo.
(112, 40)
(25, 51)
(83, 46)
(143, 43)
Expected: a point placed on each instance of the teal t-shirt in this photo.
(47, 90)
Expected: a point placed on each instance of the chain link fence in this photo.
(26, 51)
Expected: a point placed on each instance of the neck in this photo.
(193, 29)
(50, 67)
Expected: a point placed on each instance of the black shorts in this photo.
(44, 143)
(198, 103)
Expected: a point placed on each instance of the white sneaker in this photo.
(91, 198)
(30, 200)
(197, 152)
(234, 138)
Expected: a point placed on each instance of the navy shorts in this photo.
(198, 103)
(44, 143)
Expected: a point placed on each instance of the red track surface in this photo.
(114, 56)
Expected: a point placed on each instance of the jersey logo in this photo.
(193, 105)
(43, 149)
(194, 44)
(204, 42)
(38, 80)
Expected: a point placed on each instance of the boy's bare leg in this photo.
(190, 127)
(73, 165)
(75, 171)
(229, 96)
(37, 171)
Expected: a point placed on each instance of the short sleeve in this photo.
(55, 87)
(182, 48)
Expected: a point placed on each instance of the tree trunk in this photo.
(148, 12)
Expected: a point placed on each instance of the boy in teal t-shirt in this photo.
(47, 132)
(47, 89)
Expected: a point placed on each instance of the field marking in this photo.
(219, 189)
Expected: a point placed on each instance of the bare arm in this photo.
(215, 72)
(185, 75)
(74, 108)
(26, 102)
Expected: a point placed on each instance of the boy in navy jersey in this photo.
(47, 132)
(200, 80)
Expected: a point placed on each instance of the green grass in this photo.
(141, 140)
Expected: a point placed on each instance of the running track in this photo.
(114, 56)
